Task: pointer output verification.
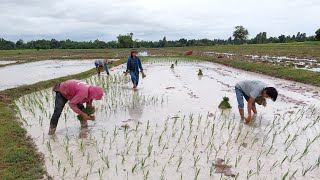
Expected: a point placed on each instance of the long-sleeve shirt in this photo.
(77, 92)
(102, 63)
(134, 64)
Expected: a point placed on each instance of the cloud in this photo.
(153, 19)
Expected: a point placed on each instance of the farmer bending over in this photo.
(250, 90)
(77, 93)
(133, 66)
(101, 64)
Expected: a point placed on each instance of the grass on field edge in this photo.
(19, 158)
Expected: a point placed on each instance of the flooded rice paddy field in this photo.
(171, 128)
(29, 73)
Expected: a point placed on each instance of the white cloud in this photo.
(153, 19)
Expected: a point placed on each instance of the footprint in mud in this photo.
(244, 144)
(210, 115)
(129, 120)
(193, 95)
(222, 168)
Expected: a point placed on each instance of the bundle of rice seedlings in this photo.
(261, 101)
(225, 103)
(88, 110)
(143, 74)
(200, 72)
(172, 66)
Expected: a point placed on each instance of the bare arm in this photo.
(249, 106)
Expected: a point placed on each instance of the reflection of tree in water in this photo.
(136, 107)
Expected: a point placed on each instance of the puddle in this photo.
(7, 62)
(228, 55)
(159, 133)
(143, 53)
(30, 73)
(223, 168)
(110, 61)
(315, 69)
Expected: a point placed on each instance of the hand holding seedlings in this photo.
(143, 74)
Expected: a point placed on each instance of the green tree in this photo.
(125, 41)
(317, 35)
(240, 34)
(164, 42)
(282, 38)
(4, 44)
(54, 44)
(19, 44)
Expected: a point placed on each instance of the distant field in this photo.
(309, 50)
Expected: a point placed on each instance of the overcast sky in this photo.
(152, 19)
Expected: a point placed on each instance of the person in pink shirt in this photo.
(77, 93)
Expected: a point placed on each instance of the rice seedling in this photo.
(59, 165)
(76, 172)
(197, 173)
(285, 175)
(101, 171)
(134, 167)
(196, 160)
(64, 172)
(146, 175)
(306, 170)
(292, 175)
(250, 173)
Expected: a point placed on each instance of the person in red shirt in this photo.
(77, 93)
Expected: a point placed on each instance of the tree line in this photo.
(240, 36)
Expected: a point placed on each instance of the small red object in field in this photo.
(220, 56)
(189, 52)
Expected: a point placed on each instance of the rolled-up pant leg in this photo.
(239, 95)
(58, 107)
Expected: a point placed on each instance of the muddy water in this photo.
(29, 73)
(308, 64)
(171, 127)
(7, 62)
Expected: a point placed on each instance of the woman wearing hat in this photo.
(133, 66)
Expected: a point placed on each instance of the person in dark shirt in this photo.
(133, 66)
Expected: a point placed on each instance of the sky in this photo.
(85, 20)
